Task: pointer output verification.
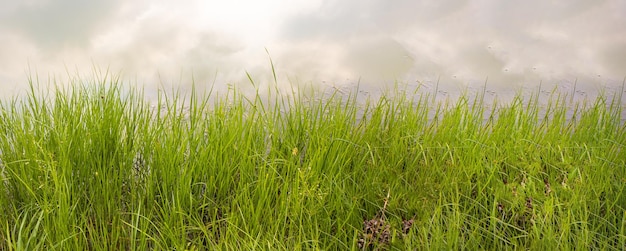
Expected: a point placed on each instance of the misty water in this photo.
(440, 95)
(440, 91)
(574, 96)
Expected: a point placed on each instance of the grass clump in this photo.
(96, 167)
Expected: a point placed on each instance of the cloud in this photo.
(511, 42)
(61, 23)
(336, 41)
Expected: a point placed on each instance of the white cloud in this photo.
(511, 42)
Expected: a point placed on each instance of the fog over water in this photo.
(458, 43)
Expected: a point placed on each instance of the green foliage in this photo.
(96, 167)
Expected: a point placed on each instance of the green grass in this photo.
(96, 167)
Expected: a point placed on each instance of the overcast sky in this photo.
(316, 41)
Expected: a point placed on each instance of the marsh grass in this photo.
(95, 167)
